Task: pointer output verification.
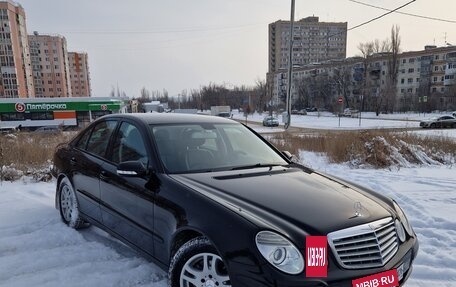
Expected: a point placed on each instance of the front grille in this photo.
(365, 246)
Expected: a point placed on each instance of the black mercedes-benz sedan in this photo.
(215, 204)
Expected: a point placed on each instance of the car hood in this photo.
(306, 200)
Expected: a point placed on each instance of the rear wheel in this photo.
(68, 205)
(197, 264)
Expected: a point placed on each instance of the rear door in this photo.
(127, 203)
(87, 158)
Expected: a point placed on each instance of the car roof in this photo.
(171, 118)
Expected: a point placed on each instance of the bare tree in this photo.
(259, 92)
(393, 69)
(367, 51)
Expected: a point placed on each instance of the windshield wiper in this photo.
(256, 166)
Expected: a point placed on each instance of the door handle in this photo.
(73, 161)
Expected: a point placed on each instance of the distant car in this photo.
(215, 204)
(453, 114)
(314, 109)
(302, 112)
(270, 121)
(439, 122)
(7, 130)
(294, 112)
(48, 130)
(350, 113)
(224, 114)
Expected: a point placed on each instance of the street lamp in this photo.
(290, 67)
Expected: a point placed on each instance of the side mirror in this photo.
(131, 169)
(288, 155)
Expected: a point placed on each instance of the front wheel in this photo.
(68, 205)
(197, 264)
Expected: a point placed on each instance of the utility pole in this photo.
(290, 67)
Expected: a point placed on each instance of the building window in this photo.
(409, 80)
(411, 70)
(402, 81)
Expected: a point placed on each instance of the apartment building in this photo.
(49, 58)
(16, 79)
(426, 80)
(79, 74)
(313, 42)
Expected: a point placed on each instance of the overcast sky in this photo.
(181, 44)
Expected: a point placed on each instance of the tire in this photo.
(69, 206)
(196, 264)
(432, 126)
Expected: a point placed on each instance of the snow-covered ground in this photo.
(326, 120)
(37, 249)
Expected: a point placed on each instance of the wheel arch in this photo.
(181, 237)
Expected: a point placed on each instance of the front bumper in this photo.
(243, 274)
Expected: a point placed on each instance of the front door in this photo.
(127, 203)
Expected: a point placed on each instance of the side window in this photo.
(82, 142)
(99, 139)
(129, 145)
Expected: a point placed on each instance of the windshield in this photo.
(211, 147)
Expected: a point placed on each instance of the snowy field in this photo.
(326, 120)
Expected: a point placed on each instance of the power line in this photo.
(404, 13)
(381, 16)
(164, 31)
(373, 19)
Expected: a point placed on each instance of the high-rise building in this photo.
(79, 74)
(49, 57)
(16, 80)
(313, 42)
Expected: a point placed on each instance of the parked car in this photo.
(439, 122)
(454, 114)
(48, 130)
(302, 112)
(270, 121)
(7, 130)
(217, 205)
(352, 113)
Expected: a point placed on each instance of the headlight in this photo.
(280, 252)
(400, 230)
(403, 219)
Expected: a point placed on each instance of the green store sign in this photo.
(20, 107)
